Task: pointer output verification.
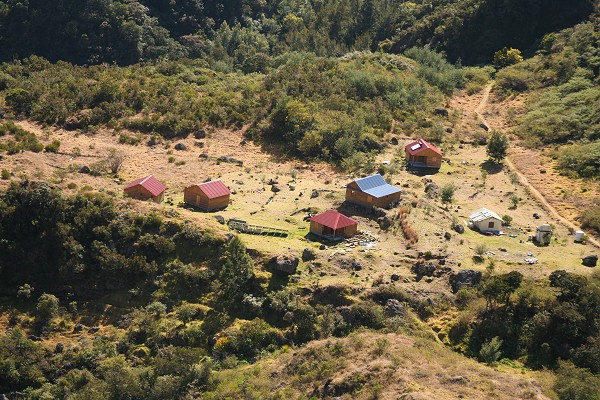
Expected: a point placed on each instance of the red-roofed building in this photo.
(148, 188)
(332, 223)
(209, 196)
(423, 154)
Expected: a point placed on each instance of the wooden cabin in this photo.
(148, 188)
(333, 224)
(209, 196)
(486, 221)
(422, 154)
(372, 191)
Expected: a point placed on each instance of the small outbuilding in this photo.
(209, 196)
(422, 154)
(333, 224)
(148, 188)
(543, 234)
(486, 221)
(372, 191)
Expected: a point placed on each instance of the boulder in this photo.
(285, 264)
(200, 134)
(459, 228)
(59, 348)
(536, 215)
(393, 308)
(449, 130)
(421, 269)
(447, 236)
(275, 188)
(384, 223)
(308, 254)
(314, 193)
(203, 156)
(395, 277)
(93, 329)
(432, 189)
(292, 187)
(466, 277)
(590, 261)
(394, 141)
(220, 219)
(180, 146)
(441, 111)
(272, 182)
(484, 127)
(199, 144)
(77, 328)
(85, 170)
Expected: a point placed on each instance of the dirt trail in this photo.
(479, 111)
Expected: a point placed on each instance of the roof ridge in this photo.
(145, 179)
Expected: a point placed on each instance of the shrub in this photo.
(5, 174)
(497, 146)
(46, 308)
(447, 193)
(409, 232)
(52, 147)
(590, 218)
(490, 351)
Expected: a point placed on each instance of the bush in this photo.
(5, 174)
(574, 383)
(590, 218)
(490, 351)
(52, 147)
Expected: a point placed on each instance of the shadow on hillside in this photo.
(491, 167)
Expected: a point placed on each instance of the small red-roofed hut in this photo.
(209, 196)
(332, 223)
(148, 188)
(421, 153)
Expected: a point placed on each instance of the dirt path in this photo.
(479, 111)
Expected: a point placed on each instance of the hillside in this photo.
(289, 104)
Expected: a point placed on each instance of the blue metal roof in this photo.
(376, 186)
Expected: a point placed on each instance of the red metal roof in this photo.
(150, 183)
(333, 219)
(419, 145)
(214, 189)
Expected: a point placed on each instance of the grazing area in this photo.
(303, 200)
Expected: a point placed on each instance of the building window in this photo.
(491, 224)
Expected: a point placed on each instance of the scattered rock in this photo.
(432, 189)
(199, 144)
(220, 219)
(85, 170)
(272, 182)
(466, 277)
(77, 328)
(203, 156)
(393, 308)
(542, 171)
(449, 130)
(395, 277)
(180, 146)
(93, 329)
(292, 187)
(440, 111)
(459, 228)
(276, 188)
(536, 215)
(314, 193)
(200, 134)
(322, 247)
(231, 160)
(394, 141)
(484, 127)
(34, 338)
(590, 261)
(285, 263)
(308, 254)
(447, 236)
(59, 348)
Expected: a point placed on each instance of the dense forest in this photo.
(251, 32)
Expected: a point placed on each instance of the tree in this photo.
(507, 56)
(490, 351)
(46, 308)
(236, 271)
(447, 193)
(497, 146)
